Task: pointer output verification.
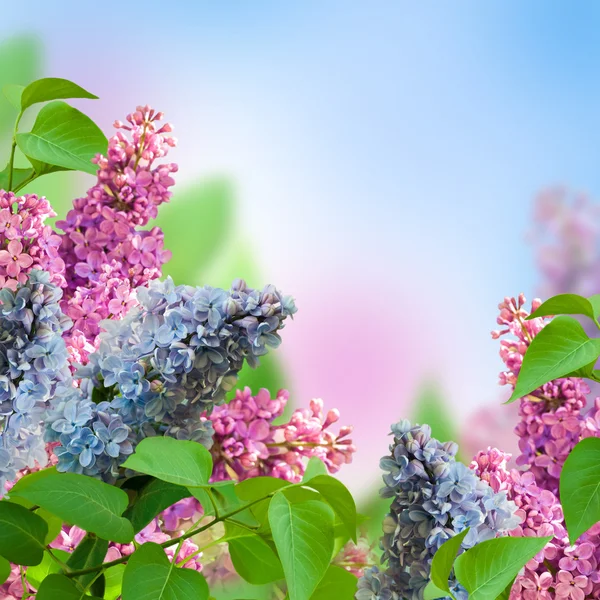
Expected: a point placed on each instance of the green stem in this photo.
(188, 534)
(64, 567)
(11, 162)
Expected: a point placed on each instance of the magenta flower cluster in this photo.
(106, 252)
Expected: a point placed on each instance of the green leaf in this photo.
(52, 88)
(150, 576)
(53, 522)
(22, 535)
(35, 575)
(559, 348)
(89, 553)
(13, 92)
(19, 176)
(303, 535)
(337, 583)
(489, 567)
(151, 500)
(253, 558)
(441, 567)
(220, 497)
(5, 569)
(252, 489)
(181, 462)
(59, 587)
(197, 224)
(569, 304)
(505, 595)
(65, 137)
(113, 582)
(580, 487)
(314, 467)
(339, 498)
(83, 501)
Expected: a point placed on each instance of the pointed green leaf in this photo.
(441, 567)
(83, 501)
(339, 498)
(253, 558)
(569, 304)
(303, 535)
(22, 535)
(150, 576)
(181, 462)
(337, 583)
(151, 500)
(560, 348)
(64, 137)
(254, 488)
(113, 582)
(35, 575)
(486, 570)
(59, 587)
(505, 595)
(5, 569)
(580, 487)
(52, 88)
(220, 497)
(19, 177)
(53, 522)
(314, 467)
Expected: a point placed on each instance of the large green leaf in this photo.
(441, 567)
(303, 534)
(35, 575)
(150, 576)
(5, 569)
(569, 304)
(505, 595)
(580, 487)
(253, 558)
(53, 522)
(489, 567)
(339, 498)
(22, 535)
(181, 462)
(20, 60)
(89, 553)
(197, 224)
(220, 498)
(560, 348)
(84, 501)
(59, 587)
(254, 488)
(65, 137)
(337, 583)
(52, 88)
(151, 500)
(314, 468)
(113, 582)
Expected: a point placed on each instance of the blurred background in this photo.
(380, 161)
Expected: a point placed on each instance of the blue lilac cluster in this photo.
(161, 370)
(33, 366)
(434, 497)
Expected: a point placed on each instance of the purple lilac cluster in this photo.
(161, 369)
(27, 244)
(105, 249)
(560, 570)
(434, 497)
(33, 369)
(551, 417)
(248, 444)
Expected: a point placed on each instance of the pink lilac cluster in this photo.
(552, 418)
(565, 239)
(560, 570)
(25, 242)
(355, 558)
(106, 252)
(248, 444)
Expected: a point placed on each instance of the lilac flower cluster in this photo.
(25, 242)
(33, 368)
(161, 369)
(248, 444)
(106, 252)
(559, 570)
(434, 498)
(552, 417)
